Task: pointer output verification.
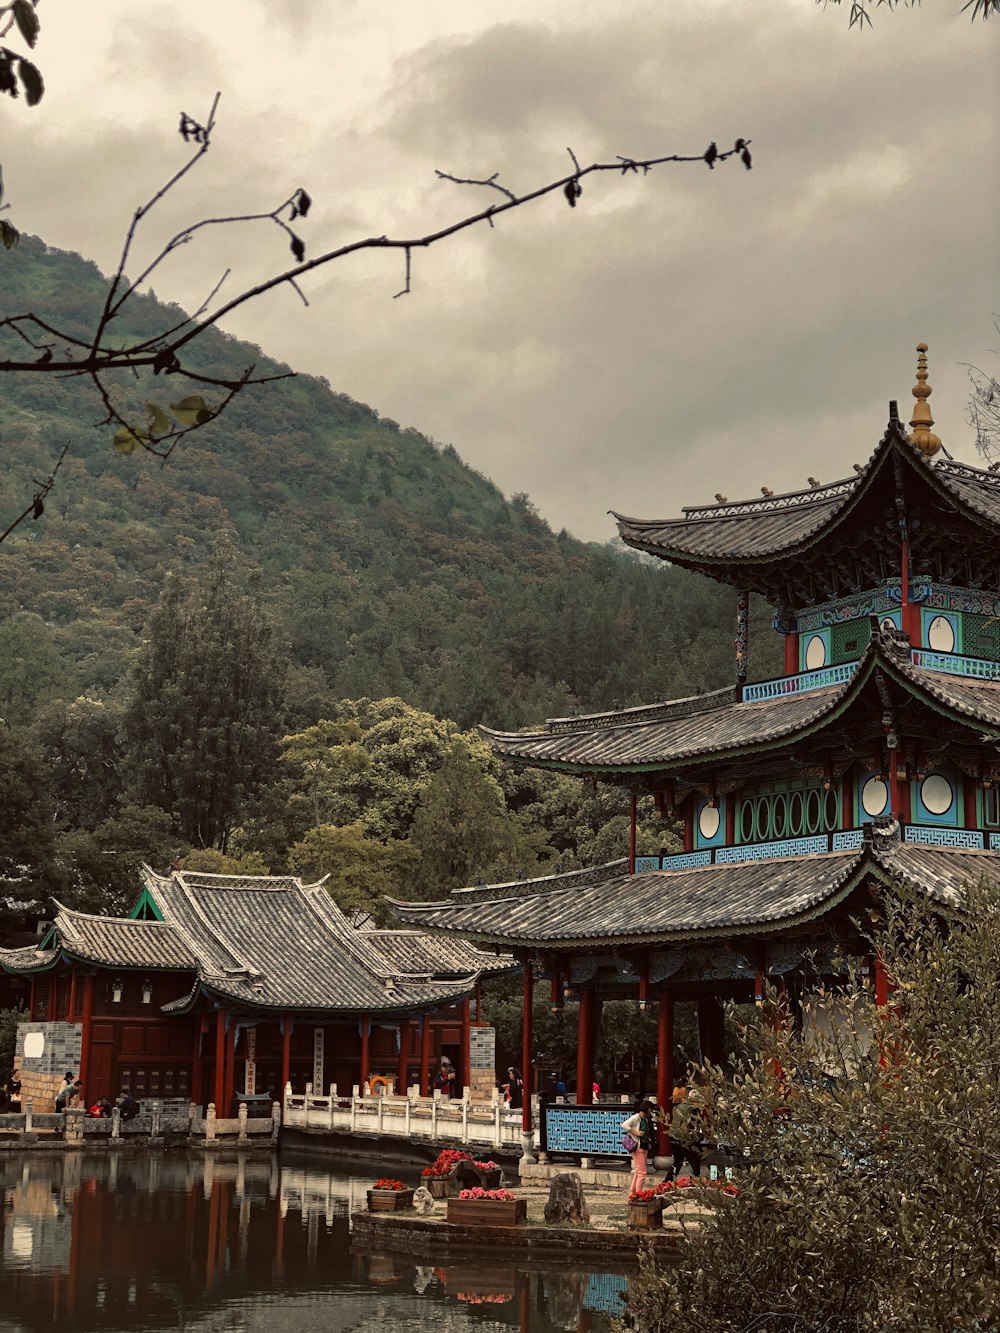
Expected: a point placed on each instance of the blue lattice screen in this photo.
(591, 1131)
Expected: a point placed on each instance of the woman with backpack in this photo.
(639, 1129)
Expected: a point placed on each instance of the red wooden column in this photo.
(585, 1048)
(791, 654)
(404, 1055)
(31, 1002)
(881, 983)
(230, 1087)
(286, 1054)
(220, 1061)
(665, 1064)
(465, 1073)
(363, 1075)
(631, 834)
(425, 1054)
(527, 1041)
(53, 997)
(72, 993)
(196, 1069)
(85, 1026)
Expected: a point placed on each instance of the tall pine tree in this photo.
(204, 717)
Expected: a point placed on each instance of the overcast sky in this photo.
(688, 332)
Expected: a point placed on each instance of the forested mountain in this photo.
(391, 567)
(269, 652)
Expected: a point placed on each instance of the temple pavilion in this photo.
(218, 985)
(872, 759)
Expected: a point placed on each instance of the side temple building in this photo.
(217, 985)
(872, 759)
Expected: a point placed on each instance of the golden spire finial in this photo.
(921, 435)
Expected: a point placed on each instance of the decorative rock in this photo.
(566, 1201)
(423, 1201)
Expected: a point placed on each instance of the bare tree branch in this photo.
(37, 507)
(96, 358)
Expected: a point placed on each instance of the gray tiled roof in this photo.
(268, 942)
(771, 526)
(710, 901)
(658, 905)
(273, 943)
(598, 743)
(666, 735)
(939, 872)
(28, 958)
(415, 953)
(117, 942)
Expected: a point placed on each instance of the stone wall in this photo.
(42, 1070)
(482, 1062)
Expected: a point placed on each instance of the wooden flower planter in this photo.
(487, 1212)
(389, 1201)
(645, 1216)
(442, 1187)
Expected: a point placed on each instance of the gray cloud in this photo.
(674, 335)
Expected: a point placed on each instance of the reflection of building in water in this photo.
(118, 1241)
(320, 1194)
(37, 1224)
(128, 1242)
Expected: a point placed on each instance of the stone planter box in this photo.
(643, 1216)
(389, 1201)
(487, 1212)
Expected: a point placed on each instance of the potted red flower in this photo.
(389, 1196)
(480, 1207)
(441, 1177)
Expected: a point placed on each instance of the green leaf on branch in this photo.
(128, 439)
(26, 20)
(159, 422)
(191, 411)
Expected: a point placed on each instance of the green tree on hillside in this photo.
(27, 843)
(32, 670)
(204, 717)
(462, 830)
(362, 872)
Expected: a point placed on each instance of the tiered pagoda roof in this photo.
(687, 736)
(831, 540)
(751, 898)
(263, 943)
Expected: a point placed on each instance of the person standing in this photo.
(686, 1129)
(513, 1090)
(640, 1126)
(444, 1079)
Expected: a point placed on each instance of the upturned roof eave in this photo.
(510, 745)
(893, 441)
(856, 866)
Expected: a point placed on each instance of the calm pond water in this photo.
(169, 1241)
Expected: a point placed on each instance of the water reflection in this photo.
(134, 1242)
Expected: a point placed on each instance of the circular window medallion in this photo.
(815, 653)
(874, 796)
(941, 636)
(34, 1045)
(937, 794)
(708, 822)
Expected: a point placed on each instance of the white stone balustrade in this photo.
(438, 1119)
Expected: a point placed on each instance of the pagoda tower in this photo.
(872, 760)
